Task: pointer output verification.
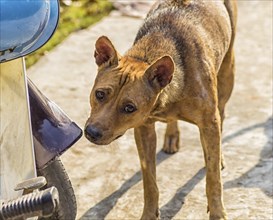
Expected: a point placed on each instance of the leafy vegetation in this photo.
(79, 15)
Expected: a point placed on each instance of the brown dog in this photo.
(181, 67)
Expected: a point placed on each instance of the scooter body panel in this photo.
(16, 147)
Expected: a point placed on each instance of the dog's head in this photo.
(124, 92)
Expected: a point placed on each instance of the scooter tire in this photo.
(56, 175)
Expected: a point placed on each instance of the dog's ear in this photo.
(105, 52)
(160, 72)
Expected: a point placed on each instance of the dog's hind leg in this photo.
(225, 86)
(225, 81)
(225, 78)
(171, 141)
(145, 138)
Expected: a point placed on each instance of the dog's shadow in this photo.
(172, 207)
(260, 175)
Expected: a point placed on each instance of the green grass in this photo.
(80, 15)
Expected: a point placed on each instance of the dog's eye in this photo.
(100, 95)
(129, 108)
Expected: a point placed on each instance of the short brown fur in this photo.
(180, 67)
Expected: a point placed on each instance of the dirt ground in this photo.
(107, 180)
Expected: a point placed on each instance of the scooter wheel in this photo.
(56, 175)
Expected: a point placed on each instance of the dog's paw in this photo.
(220, 215)
(171, 144)
(150, 216)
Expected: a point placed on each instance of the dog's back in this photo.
(191, 25)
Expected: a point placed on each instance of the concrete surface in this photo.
(107, 181)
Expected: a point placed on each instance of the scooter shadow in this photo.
(171, 208)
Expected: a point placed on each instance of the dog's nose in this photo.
(92, 133)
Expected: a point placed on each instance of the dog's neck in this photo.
(151, 47)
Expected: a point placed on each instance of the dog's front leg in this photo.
(145, 137)
(210, 132)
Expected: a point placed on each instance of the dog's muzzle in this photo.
(92, 133)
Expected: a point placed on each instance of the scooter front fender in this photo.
(25, 26)
(53, 131)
